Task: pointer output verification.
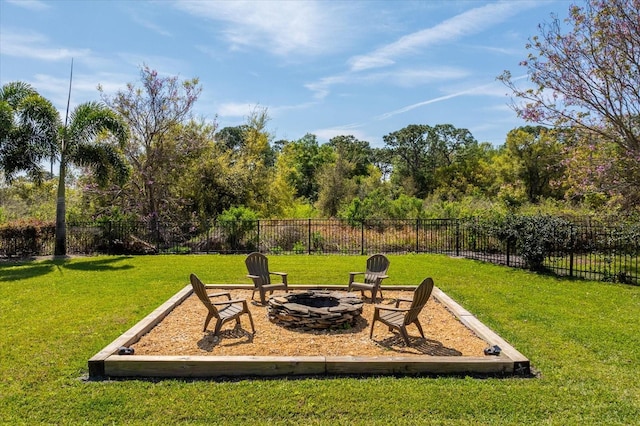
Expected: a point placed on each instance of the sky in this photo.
(363, 68)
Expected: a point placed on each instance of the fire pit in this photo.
(315, 310)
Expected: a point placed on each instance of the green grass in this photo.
(582, 336)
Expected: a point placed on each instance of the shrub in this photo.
(235, 223)
(535, 237)
(25, 237)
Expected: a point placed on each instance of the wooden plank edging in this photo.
(108, 363)
(96, 363)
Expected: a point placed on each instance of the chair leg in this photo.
(253, 329)
(374, 291)
(417, 323)
(376, 315)
(405, 335)
(206, 321)
(218, 327)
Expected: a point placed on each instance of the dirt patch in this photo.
(180, 333)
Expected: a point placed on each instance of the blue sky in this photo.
(362, 68)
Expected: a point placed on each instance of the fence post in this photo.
(111, 231)
(258, 242)
(571, 248)
(457, 237)
(362, 237)
(417, 235)
(309, 233)
(508, 246)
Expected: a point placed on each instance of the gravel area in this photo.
(180, 333)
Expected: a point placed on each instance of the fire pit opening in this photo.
(315, 310)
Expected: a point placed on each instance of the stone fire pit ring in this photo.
(315, 310)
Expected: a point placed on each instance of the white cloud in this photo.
(30, 44)
(321, 87)
(84, 87)
(165, 65)
(406, 77)
(482, 90)
(280, 27)
(150, 25)
(34, 5)
(326, 134)
(235, 109)
(467, 23)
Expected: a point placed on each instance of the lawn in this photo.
(583, 337)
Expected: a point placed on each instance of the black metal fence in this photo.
(583, 250)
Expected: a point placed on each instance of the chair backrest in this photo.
(377, 265)
(420, 297)
(201, 291)
(258, 264)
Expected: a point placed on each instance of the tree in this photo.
(589, 77)
(335, 186)
(412, 166)
(155, 114)
(28, 130)
(532, 156)
(420, 151)
(92, 139)
(302, 161)
(231, 138)
(356, 152)
(598, 175)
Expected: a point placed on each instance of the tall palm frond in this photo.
(28, 130)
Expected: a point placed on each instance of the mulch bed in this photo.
(180, 333)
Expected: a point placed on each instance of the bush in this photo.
(535, 237)
(235, 223)
(26, 237)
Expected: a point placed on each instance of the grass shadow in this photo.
(103, 264)
(13, 273)
(32, 268)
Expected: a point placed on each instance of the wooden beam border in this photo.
(107, 362)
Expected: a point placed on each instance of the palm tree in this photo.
(31, 131)
(86, 141)
(28, 130)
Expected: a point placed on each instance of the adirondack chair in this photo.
(377, 266)
(399, 318)
(224, 311)
(258, 267)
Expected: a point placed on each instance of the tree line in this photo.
(141, 154)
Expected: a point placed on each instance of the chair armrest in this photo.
(402, 299)
(390, 308)
(229, 302)
(352, 276)
(224, 293)
(283, 275)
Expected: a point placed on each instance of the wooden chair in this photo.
(258, 267)
(231, 309)
(377, 266)
(399, 318)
